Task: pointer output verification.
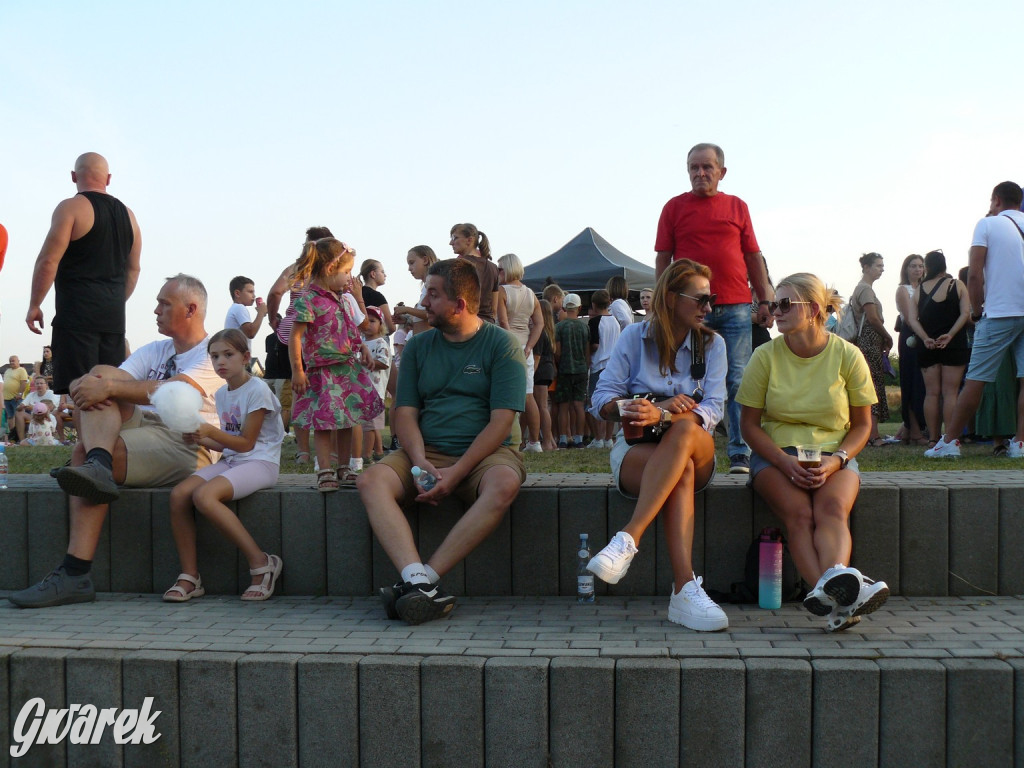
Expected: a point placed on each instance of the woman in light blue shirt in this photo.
(682, 365)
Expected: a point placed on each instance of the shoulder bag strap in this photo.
(1015, 224)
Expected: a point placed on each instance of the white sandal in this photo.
(177, 593)
(270, 573)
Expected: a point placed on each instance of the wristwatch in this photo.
(843, 456)
(666, 419)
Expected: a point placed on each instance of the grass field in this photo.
(892, 458)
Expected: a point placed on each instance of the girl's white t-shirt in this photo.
(234, 405)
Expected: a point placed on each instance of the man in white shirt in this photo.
(41, 393)
(996, 287)
(122, 441)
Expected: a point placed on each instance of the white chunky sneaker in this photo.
(612, 562)
(692, 608)
(838, 621)
(1015, 450)
(872, 596)
(944, 450)
(837, 587)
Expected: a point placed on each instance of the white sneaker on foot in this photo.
(872, 596)
(944, 450)
(692, 608)
(533, 448)
(612, 562)
(1015, 450)
(837, 587)
(838, 621)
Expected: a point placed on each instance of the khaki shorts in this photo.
(283, 390)
(156, 455)
(467, 490)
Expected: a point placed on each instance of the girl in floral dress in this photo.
(329, 359)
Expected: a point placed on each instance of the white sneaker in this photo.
(837, 587)
(944, 450)
(533, 448)
(837, 621)
(612, 562)
(596, 444)
(1015, 450)
(692, 608)
(872, 596)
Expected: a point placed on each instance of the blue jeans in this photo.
(732, 322)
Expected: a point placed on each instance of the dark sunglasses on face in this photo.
(706, 299)
(783, 305)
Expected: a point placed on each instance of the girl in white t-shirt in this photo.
(250, 441)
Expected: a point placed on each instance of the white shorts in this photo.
(246, 477)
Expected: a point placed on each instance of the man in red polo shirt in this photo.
(714, 229)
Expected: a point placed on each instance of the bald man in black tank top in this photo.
(91, 254)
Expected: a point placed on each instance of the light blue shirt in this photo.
(633, 368)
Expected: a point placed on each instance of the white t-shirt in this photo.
(380, 351)
(150, 363)
(234, 405)
(1004, 264)
(353, 308)
(622, 312)
(237, 316)
(608, 333)
(47, 397)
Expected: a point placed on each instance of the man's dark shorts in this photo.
(76, 352)
(571, 387)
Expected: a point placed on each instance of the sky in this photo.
(231, 127)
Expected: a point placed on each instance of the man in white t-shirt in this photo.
(996, 286)
(122, 441)
(41, 393)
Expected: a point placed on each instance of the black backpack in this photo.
(746, 591)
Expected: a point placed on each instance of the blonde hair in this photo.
(549, 320)
(321, 258)
(672, 281)
(808, 287)
(513, 267)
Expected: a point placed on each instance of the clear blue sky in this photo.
(230, 127)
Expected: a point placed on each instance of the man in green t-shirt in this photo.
(572, 355)
(460, 386)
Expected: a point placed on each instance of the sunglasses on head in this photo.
(706, 299)
(783, 305)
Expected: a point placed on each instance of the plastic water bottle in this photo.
(584, 578)
(769, 572)
(423, 479)
(3, 468)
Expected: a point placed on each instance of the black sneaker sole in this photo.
(417, 608)
(817, 606)
(76, 483)
(844, 588)
(389, 596)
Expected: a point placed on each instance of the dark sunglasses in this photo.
(707, 299)
(783, 305)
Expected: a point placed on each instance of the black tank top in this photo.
(938, 317)
(91, 275)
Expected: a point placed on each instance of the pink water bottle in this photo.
(769, 572)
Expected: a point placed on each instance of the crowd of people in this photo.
(480, 370)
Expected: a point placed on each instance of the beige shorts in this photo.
(156, 455)
(467, 490)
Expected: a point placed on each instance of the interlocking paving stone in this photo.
(634, 627)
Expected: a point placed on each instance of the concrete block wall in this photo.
(228, 710)
(924, 540)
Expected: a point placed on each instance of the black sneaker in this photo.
(739, 464)
(423, 602)
(389, 596)
(56, 589)
(91, 481)
(394, 444)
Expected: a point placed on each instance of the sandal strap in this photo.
(193, 580)
(268, 568)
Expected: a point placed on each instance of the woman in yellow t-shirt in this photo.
(810, 387)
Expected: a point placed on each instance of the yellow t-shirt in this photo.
(15, 380)
(806, 400)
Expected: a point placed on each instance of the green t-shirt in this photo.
(573, 337)
(455, 386)
(806, 400)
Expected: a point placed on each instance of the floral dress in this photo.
(340, 392)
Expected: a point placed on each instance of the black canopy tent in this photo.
(585, 263)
